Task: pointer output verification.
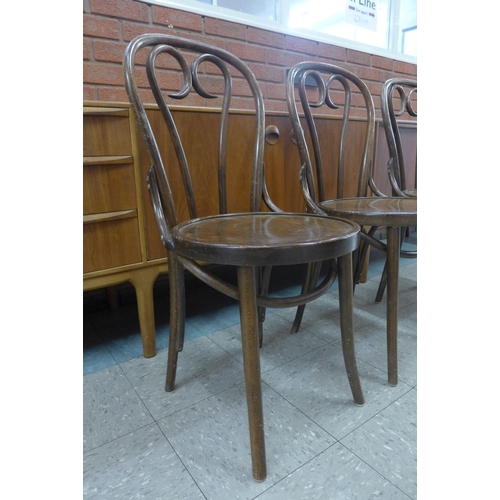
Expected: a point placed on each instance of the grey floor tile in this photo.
(97, 357)
(317, 385)
(365, 294)
(407, 316)
(139, 465)
(335, 474)
(203, 370)
(111, 407)
(212, 313)
(279, 345)
(371, 347)
(123, 338)
(212, 440)
(388, 443)
(322, 317)
(409, 271)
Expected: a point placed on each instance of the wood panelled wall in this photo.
(281, 159)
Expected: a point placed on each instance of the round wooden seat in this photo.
(255, 239)
(394, 212)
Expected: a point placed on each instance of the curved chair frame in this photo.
(253, 241)
(396, 168)
(371, 208)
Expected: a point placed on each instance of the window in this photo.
(383, 27)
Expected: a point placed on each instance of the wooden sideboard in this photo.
(114, 233)
(120, 237)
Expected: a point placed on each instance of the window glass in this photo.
(408, 27)
(265, 9)
(389, 25)
(332, 18)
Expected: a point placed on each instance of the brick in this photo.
(276, 91)
(211, 40)
(271, 105)
(382, 63)
(211, 69)
(89, 93)
(86, 49)
(358, 100)
(264, 37)
(301, 45)
(354, 56)
(123, 9)
(131, 30)
(166, 61)
(247, 52)
(100, 27)
(267, 73)
(241, 88)
(332, 51)
(283, 58)
(109, 51)
(358, 113)
(226, 29)
(405, 68)
(106, 74)
(167, 80)
(113, 94)
(370, 74)
(375, 88)
(146, 97)
(177, 18)
(212, 84)
(241, 103)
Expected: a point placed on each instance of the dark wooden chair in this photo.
(398, 92)
(252, 240)
(324, 185)
(406, 90)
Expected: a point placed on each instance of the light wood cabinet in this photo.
(114, 238)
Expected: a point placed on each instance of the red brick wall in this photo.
(108, 25)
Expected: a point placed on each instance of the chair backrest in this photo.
(393, 106)
(200, 65)
(322, 85)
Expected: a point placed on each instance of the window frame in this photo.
(225, 14)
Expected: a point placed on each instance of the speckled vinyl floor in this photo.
(193, 443)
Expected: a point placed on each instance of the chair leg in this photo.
(393, 246)
(382, 284)
(251, 361)
(312, 276)
(383, 280)
(344, 269)
(177, 318)
(264, 278)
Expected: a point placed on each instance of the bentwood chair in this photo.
(251, 239)
(406, 90)
(400, 91)
(324, 184)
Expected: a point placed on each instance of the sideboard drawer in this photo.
(106, 133)
(110, 242)
(108, 184)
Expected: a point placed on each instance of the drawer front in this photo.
(108, 188)
(108, 244)
(106, 135)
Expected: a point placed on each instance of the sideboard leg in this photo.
(143, 282)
